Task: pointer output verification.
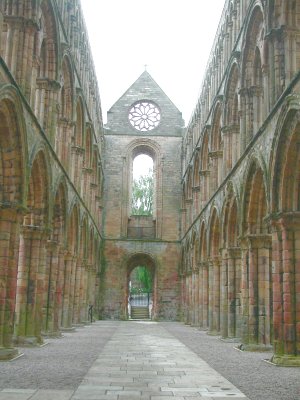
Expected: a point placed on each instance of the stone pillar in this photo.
(204, 187)
(246, 119)
(188, 299)
(196, 296)
(85, 183)
(77, 160)
(45, 105)
(203, 295)
(216, 296)
(10, 220)
(83, 293)
(30, 285)
(230, 292)
(257, 287)
(216, 167)
(50, 306)
(69, 279)
(286, 290)
(210, 295)
(78, 292)
(224, 294)
(60, 284)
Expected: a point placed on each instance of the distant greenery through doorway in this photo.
(141, 280)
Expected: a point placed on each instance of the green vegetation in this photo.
(142, 195)
(143, 278)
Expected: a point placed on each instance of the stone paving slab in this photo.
(141, 361)
(144, 361)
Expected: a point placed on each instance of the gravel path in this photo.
(246, 370)
(61, 364)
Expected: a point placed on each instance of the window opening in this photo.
(142, 186)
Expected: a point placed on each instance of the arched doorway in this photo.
(141, 287)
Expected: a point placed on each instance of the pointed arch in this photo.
(39, 191)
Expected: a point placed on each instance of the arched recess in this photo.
(230, 270)
(154, 222)
(196, 184)
(203, 279)
(214, 272)
(216, 153)
(32, 253)
(46, 50)
(147, 261)
(184, 224)
(52, 303)
(95, 188)
(80, 284)
(77, 145)
(13, 160)
(194, 281)
(88, 159)
(256, 261)
(254, 77)
(64, 129)
(70, 261)
(204, 170)
(189, 199)
(286, 235)
(231, 129)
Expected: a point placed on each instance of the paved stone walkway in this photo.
(142, 360)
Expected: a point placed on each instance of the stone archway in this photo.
(144, 299)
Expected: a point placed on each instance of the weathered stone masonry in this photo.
(240, 248)
(50, 172)
(223, 244)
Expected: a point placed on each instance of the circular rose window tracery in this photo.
(144, 116)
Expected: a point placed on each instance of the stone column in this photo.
(230, 292)
(77, 159)
(10, 220)
(78, 292)
(257, 316)
(210, 295)
(224, 294)
(216, 167)
(246, 119)
(203, 295)
(216, 295)
(286, 281)
(50, 307)
(196, 296)
(85, 183)
(204, 187)
(69, 275)
(83, 293)
(30, 285)
(188, 300)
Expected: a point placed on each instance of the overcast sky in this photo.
(173, 37)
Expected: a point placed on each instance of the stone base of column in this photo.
(230, 339)
(255, 347)
(28, 341)
(8, 353)
(70, 329)
(286, 360)
(52, 334)
(81, 325)
(213, 333)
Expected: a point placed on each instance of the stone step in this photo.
(140, 313)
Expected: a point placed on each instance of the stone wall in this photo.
(51, 174)
(241, 183)
(161, 252)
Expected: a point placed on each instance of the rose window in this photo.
(144, 116)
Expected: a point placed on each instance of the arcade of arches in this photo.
(223, 241)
